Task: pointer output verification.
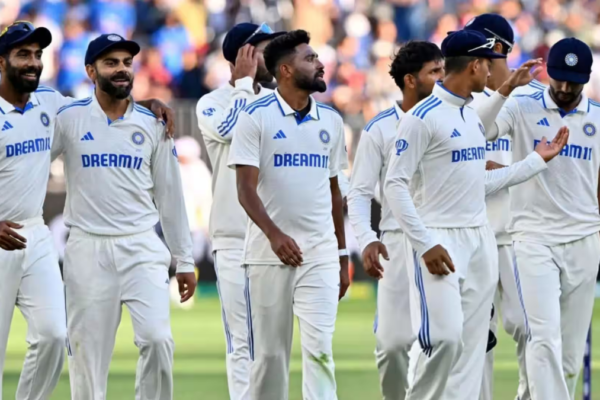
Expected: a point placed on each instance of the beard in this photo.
(117, 92)
(564, 99)
(16, 78)
(314, 84)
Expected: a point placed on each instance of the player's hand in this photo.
(187, 285)
(9, 239)
(490, 165)
(521, 76)
(438, 261)
(549, 150)
(344, 276)
(165, 114)
(286, 249)
(246, 63)
(370, 258)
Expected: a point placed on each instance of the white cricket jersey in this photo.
(500, 151)
(217, 114)
(122, 176)
(25, 143)
(370, 167)
(560, 205)
(296, 158)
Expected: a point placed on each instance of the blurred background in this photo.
(182, 60)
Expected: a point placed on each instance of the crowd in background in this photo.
(182, 60)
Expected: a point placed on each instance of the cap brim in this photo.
(127, 45)
(568, 76)
(261, 37)
(41, 35)
(488, 54)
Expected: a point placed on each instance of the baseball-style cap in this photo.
(106, 42)
(21, 32)
(243, 34)
(570, 60)
(493, 26)
(467, 43)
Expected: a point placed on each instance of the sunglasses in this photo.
(264, 28)
(18, 26)
(506, 42)
(488, 45)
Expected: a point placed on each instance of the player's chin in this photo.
(320, 85)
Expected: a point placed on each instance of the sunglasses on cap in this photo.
(496, 37)
(18, 26)
(488, 45)
(264, 28)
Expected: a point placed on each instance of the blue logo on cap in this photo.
(589, 129)
(45, 119)
(138, 138)
(571, 59)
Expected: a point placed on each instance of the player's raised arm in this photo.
(536, 162)
(412, 142)
(245, 158)
(168, 196)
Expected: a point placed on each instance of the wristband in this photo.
(343, 252)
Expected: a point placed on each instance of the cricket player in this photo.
(554, 219)
(217, 114)
(440, 149)
(122, 176)
(288, 150)
(499, 153)
(30, 276)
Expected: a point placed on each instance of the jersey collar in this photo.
(549, 104)
(287, 110)
(6, 107)
(441, 92)
(99, 112)
(399, 111)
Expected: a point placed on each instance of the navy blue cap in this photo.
(106, 42)
(467, 43)
(21, 32)
(570, 60)
(243, 34)
(493, 26)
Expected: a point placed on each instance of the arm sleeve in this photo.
(411, 145)
(168, 196)
(338, 155)
(216, 122)
(365, 175)
(497, 115)
(245, 149)
(57, 140)
(517, 173)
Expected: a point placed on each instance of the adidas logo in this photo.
(6, 126)
(87, 136)
(280, 135)
(455, 133)
(543, 122)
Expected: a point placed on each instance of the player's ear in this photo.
(410, 81)
(91, 72)
(285, 70)
(497, 47)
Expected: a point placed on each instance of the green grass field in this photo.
(200, 367)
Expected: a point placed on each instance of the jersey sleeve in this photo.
(412, 142)
(168, 196)
(245, 149)
(57, 140)
(368, 162)
(218, 123)
(515, 174)
(498, 115)
(338, 155)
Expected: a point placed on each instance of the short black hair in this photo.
(411, 58)
(283, 46)
(456, 65)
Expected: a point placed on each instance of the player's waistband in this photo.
(78, 232)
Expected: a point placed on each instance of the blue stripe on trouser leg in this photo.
(249, 318)
(518, 282)
(223, 315)
(424, 339)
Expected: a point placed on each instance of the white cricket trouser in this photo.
(30, 279)
(393, 329)
(275, 293)
(231, 281)
(507, 302)
(558, 286)
(101, 273)
(454, 315)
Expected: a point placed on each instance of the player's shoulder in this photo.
(427, 110)
(262, 106)
(147, 118)
(78, 107)
(384, 119)
(50, 97)
(212, 101)
(594, 109)
(326, 111)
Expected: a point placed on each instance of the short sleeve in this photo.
(245, 149)
(338, 153)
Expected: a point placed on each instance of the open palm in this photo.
(549, 150)
(525, 73)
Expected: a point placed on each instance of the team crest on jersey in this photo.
(324, 136)
(138, 138)
(45, 119)
(401, 146)
(209, 112)
(482, 129)
(589, 129)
